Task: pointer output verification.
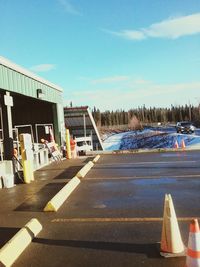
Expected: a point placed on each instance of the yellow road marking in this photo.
(147, 162)
(143, 177)
(68, 220)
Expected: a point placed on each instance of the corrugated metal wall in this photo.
(17, 82)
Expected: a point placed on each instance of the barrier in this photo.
(16, 245)
(85, 169)
(36, 164)
(7, 180)
(96, 159)
(55, 203)
(6, 174)
(43, 157)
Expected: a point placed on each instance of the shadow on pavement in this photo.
(38, 201)
(88, 159)
(151, 250)
(69, 172)
(6, 233)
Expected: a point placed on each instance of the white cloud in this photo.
(171, 28)
(68, 7)
(112, 79)
(175, 28)
(43, 67)
(128, 34)
(137, 94)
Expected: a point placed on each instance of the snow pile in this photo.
(149, 139)
(113, 142)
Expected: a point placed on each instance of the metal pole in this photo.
(92, 141)
(84, 125)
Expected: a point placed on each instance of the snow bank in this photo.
(113, 142)
(150, 139)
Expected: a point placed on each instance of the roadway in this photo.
(114, 217)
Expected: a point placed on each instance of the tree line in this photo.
(143, 115)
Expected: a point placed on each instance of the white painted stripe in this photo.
(194, 241)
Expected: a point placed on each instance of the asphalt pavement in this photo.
(113, 218)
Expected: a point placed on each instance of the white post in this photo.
(8, 100)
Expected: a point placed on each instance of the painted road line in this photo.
(102, 220)
(148, 162)
(143, 177)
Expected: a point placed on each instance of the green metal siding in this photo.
(14, 81)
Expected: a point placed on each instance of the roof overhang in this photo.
(9, 64)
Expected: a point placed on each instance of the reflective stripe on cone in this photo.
(193, 251)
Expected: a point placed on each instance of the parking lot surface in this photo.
(114, 217)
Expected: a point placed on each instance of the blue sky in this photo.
(111, 54)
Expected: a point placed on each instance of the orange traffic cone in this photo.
(193, 251)
(183, 144)
(176, 144)
(171, 241)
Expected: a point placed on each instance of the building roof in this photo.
(9, 64)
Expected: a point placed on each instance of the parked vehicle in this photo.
(185, 127)
(84, 144)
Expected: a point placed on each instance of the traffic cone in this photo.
(171, 241)
(183, 144)
(193, 251)
(176, 144)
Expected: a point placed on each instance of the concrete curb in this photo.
(18, 243)
(85, 169)
(96, 159)
(55, 203)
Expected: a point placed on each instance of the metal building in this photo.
(28, 103)
(80, 122)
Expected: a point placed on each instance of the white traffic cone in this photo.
(176, 144)
(171, 241)
(193, 251)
